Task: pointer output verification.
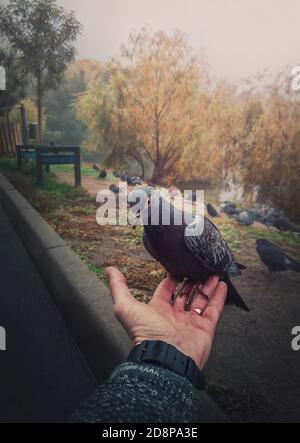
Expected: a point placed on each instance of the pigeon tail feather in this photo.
(234, 270)
(234, 298)
(294, 265)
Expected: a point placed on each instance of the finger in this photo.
(165, 290)
(215, 308)
(210, 285)
(118, 285)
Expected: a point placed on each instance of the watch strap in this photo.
(167, 356)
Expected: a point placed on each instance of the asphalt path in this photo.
(43, 377)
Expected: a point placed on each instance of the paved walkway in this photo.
(43, 377)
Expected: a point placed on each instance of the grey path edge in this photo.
(84, 301)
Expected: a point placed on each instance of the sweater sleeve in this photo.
(140, 393)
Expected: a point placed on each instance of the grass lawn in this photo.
(86, 170)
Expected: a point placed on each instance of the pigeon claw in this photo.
(179, 291)
(192, 297)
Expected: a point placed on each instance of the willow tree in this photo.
(43, 35)
(149, 95)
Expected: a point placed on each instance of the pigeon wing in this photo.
(209, 247)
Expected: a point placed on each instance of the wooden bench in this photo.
(50, 155)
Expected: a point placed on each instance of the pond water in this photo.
(230, 191)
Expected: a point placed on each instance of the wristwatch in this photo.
(166, 356)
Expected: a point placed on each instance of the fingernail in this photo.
(108, 272)
(222, 283)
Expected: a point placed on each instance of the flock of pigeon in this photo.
(131, 181)
(271, 255)
(267, 216)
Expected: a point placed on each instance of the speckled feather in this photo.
(193, 257)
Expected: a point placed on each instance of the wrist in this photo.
(190, 349)
(166, 356)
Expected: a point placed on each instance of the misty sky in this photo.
(239, 37)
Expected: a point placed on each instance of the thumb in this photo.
(119, 289)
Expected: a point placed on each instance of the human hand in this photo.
(187, 331)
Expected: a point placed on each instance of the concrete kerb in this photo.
(83, 300)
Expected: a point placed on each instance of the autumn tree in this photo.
(270, 148)
(43, 35)
(145, 108)
(212, 155)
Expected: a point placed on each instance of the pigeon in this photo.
(134, 181)
(283, 224)
(174, 192)
(103, 174)
(95, 167)
(192, 196)
(115, 189)
(124, 178)
(229, 209)
(187, 257)
(212, 211)
(245, 218)
(275, 258)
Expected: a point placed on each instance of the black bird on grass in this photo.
(95, 167)
(275, 258)
(212, 211)
(103, 174)
(187, 257)
(229, 209)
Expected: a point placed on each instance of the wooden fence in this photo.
(10, 137)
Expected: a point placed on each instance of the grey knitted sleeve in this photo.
(139, 393)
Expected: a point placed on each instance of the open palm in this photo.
(187, 331)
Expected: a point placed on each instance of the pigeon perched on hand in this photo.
(275, 258)
(189, 258)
